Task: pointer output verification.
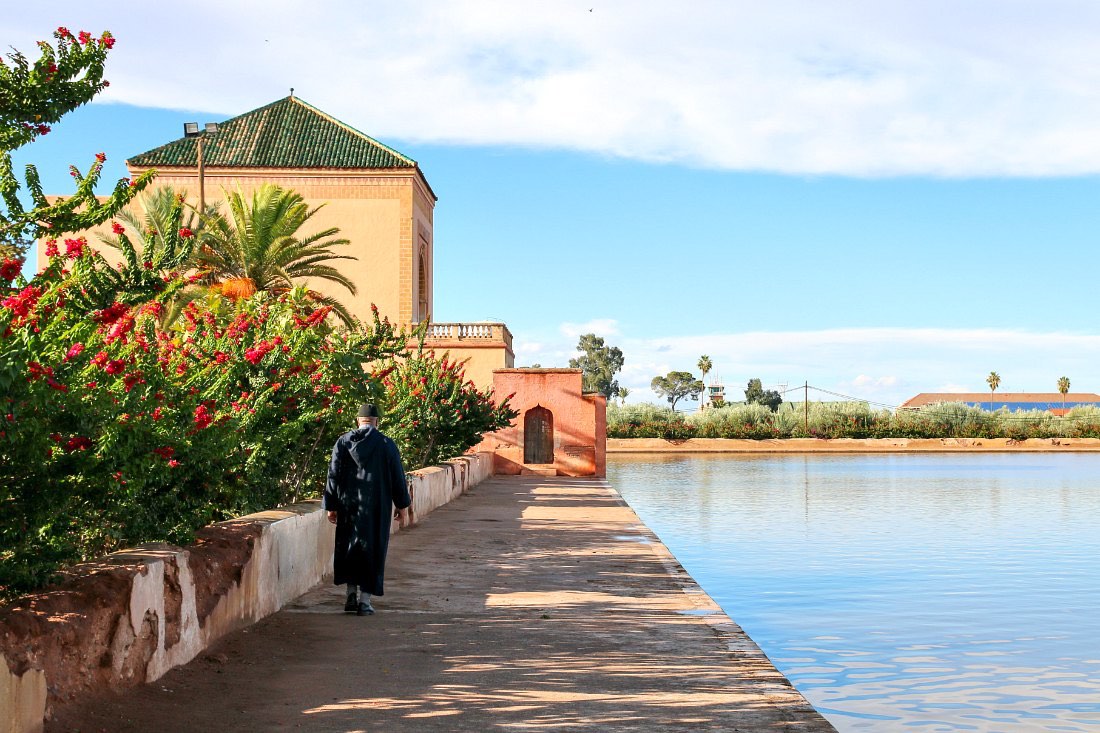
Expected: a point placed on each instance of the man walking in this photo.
(366, 481)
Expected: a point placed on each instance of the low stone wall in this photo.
(850, 445)
(134, 615)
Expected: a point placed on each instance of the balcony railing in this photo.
(470, 332)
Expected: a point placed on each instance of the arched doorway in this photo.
(538, 436)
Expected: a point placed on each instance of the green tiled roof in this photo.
(285, 134)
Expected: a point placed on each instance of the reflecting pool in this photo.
(902, 592)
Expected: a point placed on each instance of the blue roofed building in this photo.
(1053, 402)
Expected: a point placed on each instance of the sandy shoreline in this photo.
(854, 445)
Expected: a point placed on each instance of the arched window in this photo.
(538, 436)
(422, 285)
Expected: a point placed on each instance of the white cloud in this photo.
(891, 87)
(600, 326)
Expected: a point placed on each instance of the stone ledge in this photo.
(851, 445)
(130, 617)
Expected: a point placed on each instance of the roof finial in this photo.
(292, 92)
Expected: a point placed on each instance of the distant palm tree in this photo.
(623, 392)
(705, 366)
(994, 381)
(259, 246)
(1063, 387)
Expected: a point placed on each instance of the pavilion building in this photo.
(378, 198)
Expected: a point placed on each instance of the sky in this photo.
(875, 198)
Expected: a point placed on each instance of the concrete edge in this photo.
(853, 445)
(704, 606)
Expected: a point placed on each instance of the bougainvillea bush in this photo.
(116, 432)
(435, 412)
(136, 403)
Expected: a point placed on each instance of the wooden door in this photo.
(538, 436)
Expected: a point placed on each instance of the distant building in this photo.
(716, 395)
(1012, 401)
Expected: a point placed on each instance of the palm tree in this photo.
(994, 381)
(623, 392)
(1063, 387)
(704, 366)
(259, 247)
(158, 220)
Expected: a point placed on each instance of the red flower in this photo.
(186, 233)
(77, 442)
(111, 313)
(91, 385)
(63, 32)
(203, 418)
(157, 414)
(51, 248)
(85, 37)
(10, 269)
(114, 366)
(221, 357)
(173, 463)
(107, 40)
(101, 157)
(117, 228)
(74, 351)
(132, 379)
(75, 247)
(100, 358)
(23, 302)
(165, 452)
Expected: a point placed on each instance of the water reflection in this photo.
(899, 592)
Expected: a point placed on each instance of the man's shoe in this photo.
(365, 609)
(352, 604)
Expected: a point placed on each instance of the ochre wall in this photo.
(580, 424)
(387, 216)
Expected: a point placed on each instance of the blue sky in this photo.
(880, 201)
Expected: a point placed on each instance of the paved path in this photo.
(530, 604)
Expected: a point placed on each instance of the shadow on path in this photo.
(532, 603)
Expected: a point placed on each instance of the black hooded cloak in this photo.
(365, 482)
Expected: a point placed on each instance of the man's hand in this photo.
(402, 517)
(332, 517)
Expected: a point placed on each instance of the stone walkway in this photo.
(530, 604)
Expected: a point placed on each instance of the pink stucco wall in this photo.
(580, 421)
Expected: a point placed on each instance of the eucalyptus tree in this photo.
(1063, 387)
(260, 245)
(994, 381)
(599, 363)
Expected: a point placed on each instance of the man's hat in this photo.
(369, 410)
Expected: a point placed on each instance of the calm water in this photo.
(899, 592)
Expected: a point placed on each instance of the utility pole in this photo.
(806, 408)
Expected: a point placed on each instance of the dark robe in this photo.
(365, 482)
